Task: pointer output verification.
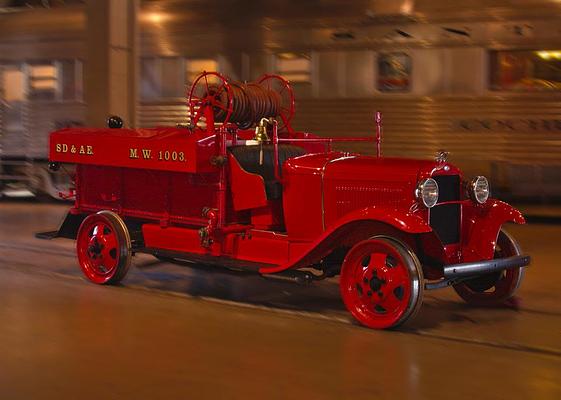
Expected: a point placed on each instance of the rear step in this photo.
(47, 235)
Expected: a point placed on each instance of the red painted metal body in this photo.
(186, 193)
(323, 192)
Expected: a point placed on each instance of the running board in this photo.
(201, 261)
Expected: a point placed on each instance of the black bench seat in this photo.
(248, 157)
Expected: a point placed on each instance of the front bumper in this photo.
(470, 269)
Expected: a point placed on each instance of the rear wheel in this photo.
(381, 282)
(494, 289)
(104, 248)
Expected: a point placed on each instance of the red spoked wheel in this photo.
(210, 97)
(280, 85)
(494, 289)
(381, 283)
(104, 248)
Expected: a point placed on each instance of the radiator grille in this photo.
(445, 218)
(448, 187)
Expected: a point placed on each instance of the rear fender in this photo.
(354, 227)
(481, 227)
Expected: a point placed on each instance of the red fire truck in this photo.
(239, 188)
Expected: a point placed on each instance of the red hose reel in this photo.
(213, 98)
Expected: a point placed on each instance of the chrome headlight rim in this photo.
(427, 192)
(479, 189)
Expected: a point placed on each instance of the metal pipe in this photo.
(485, 266)
(326, 140)
(276, 150)
(378, 119)
(299, 277)
(222, 178)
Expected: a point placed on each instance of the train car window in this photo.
(71, 80)
(359, 73)
(43, 81)
(172, 79)
(394, 72)
(150, 78)
(294, 67)
(195, 66)
(525, 71)
(13, 85)
(79, 71)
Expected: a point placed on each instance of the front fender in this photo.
(352, 228)
(481, 226)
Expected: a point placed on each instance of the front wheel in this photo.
(381, 282)
(494, 289)
(104, 248)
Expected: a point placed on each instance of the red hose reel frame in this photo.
(211, 100)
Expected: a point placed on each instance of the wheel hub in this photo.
(376, 283)
(95, 248)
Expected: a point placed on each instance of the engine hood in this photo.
(337, 165)
(335, 184)
(351, 182)
(366, 168)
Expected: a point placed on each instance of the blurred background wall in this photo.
(479, 78)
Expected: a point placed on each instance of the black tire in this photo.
(494, 289)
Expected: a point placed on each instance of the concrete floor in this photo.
(173, 332)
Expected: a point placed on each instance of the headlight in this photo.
(427, 192)
(479, 189)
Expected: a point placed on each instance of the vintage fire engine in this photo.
(238, 187)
